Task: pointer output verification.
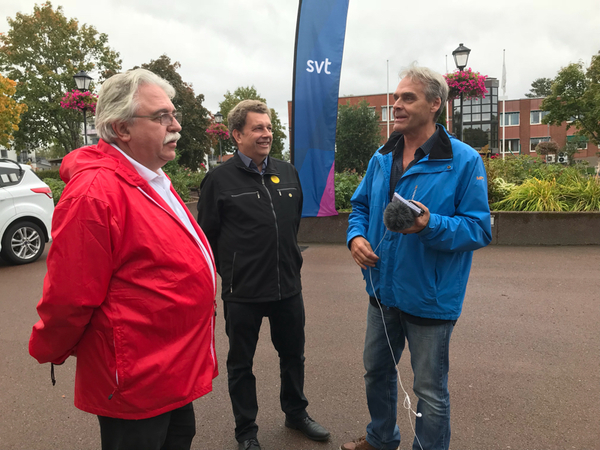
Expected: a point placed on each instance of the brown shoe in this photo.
(358, 444)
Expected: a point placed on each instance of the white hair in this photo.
(117, 100)
(435, 85)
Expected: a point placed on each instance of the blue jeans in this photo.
(428, 345)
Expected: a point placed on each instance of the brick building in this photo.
(482, 123)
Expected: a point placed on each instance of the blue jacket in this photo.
(425, 274)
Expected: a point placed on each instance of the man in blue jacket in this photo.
(416, 278)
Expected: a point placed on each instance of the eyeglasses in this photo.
(165, 119)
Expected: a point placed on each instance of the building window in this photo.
(581, 141)
(510, 118)
(537, 116)
(384, 113)
(4, 153)
(535, 141)
(512, 146)
(372, 110)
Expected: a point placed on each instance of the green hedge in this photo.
(57, 187)
(49, 173)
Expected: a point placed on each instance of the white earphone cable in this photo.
(406, 403)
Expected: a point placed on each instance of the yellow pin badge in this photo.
(275, 179)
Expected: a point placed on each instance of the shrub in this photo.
(49, 173)
(505, 178)
(183, 179)
(570, 192)
(345, 185)
(57, 187)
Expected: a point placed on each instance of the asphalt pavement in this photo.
(524, 370)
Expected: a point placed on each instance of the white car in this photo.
(26, 208)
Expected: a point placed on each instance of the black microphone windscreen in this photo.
(397, 217)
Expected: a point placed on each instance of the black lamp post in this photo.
(461, 56)
(219, 119)
(83, 80)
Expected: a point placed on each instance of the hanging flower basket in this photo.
(78, 100)
(218, 131)
(471, 84)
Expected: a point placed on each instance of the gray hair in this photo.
(236, 119)
(435, 85)
(117, 99)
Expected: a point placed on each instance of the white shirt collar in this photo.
(143, 171)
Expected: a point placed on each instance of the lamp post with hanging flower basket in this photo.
(81, 98)
(464, 83)
(218, 132)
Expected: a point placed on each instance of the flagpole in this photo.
(504, 103)
(448, 104)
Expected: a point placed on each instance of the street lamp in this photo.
(461, 56)
(219, 119)
(83, 80)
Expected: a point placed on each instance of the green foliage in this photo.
(183, 179)
(345, 185)
(57, 187)
(358, 136)
(534, 195)
(49, 173)
(249, 93)
(524, 183)
(570, 149)
(194, 142)
(575, 99)
(42, 52)
(540, 87)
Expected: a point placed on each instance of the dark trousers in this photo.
(173, 430)
(242, 324)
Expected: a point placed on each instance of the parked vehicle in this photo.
(26, 209)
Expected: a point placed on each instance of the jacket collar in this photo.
(271, 169)
(442, 149)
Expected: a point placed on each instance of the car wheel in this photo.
(23, 243)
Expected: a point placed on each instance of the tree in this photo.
(10, 111)
(249, 93)
(575, 99)
(42, 52)
(194, 142)
(540, 87)
(358, 135)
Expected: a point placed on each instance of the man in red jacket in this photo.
(130, 289)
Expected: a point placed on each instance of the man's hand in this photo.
(420, 222)
(362, 252)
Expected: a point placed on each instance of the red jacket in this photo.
(129, 291)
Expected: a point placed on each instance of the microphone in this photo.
(398, 216)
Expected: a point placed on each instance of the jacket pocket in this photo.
(255, 193)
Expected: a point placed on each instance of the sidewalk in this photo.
(524, 371)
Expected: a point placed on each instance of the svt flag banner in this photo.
(317, 66)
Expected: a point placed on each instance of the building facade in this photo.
(524, 130)
(482, 123)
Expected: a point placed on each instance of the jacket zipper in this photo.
(203, 250)
(246, 193)
(285, 189)
(232, 268)
(276, 233)
(116, 373)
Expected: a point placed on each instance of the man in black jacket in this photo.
(250, 209)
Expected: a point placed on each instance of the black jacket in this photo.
(251, 222)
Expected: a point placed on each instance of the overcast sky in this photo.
(224, 44)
